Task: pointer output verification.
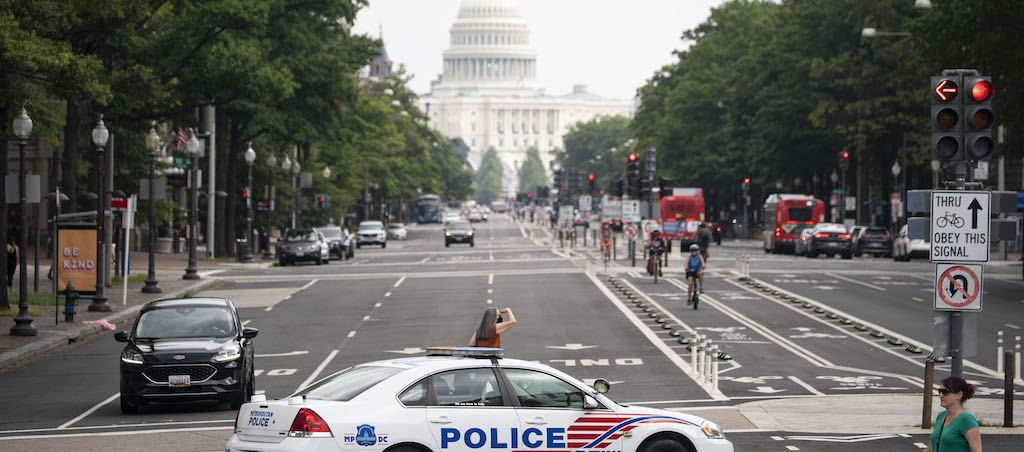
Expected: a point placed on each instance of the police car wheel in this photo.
(667, 445)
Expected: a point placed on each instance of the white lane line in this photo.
(399, 283)
(387, 294)
(490, 290)
(806, 386)
(320, 368)
(1010, 325)
(489, 301)
(792, 448)
(921, 445)
(425, 259)
(131, 432)
(917, 298)
(269, 308)
(273, 355)
(658, 305)
(880, 288)
(365, 317)
(308, 285)
(376, 305)
(778, 438)
(492, 255)
(490, 278)
(351, 333)
(522, 229)
(86, 413)
(246, 322)
(672, 355)
(115, 426)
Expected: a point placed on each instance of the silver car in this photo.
(397, 231)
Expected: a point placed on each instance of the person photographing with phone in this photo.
(492, 326)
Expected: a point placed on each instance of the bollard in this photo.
(693, 352)
(714, 369)
(1008, 389)
(999, 352)
(632, 252)
(70, 298)
(1016, 361)
(707, 361)
(929, 385)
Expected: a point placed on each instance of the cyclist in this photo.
(656, 247)
(694, 273)
(704, 238)
(606, 241)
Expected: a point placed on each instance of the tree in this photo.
(531, 171)
(588, 148)
(488, 178)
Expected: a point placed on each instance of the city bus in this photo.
(682, 211)
(427, 209)
(785, 216)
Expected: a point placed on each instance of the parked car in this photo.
(875, 241)
(903, 249)
(184, 350)
(800, 248)
(475, 217)
(303, 245)
(830, 239)
(397, 231)
(371, 233)
(335, 240)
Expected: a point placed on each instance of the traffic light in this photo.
(979, 117)
(843, 160)
(321, 200)
(559, 179)
(590, 182)
(645, 188)
(947, 109)
(746, 185)
(529, 198)
(618, 187)
(664, 186)
(246, 197)
(632, 177)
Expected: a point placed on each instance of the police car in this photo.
(463, 399)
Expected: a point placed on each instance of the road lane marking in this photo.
(490, 290)
(320, 368)
(116, 426)
(308, 285)
(672, 355)
(376, 305)
(425, 259)
(806, 386)
(399, 283)
(778, 438)
(856, 281)
(351, 333)
(917, 298)
(522, 229)
(1010, 325)
(246, 322)
(272, 355)
(658, 305)
(365, 317)
(489, 301)
(492, 255)
(792, 448)
(921, 445)
(387, 294)
(268, 308)
(130, 432)
(549, 271)
(87, 412)
(490, 278)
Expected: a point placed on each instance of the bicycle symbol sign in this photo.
(949, 218)
(960, 226)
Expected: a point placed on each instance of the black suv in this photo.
(187, 349)
(874, 240)
(458, 232)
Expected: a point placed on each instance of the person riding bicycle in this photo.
(655, 248)
(694, 273)
(606, 240)
(704, 238)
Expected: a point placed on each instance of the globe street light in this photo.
(23, 322)
(271, 161)
(192, 149)
(100, 135)
(327, 181)
(250, 157)
(153, 145)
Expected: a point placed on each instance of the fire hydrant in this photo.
(70, 298)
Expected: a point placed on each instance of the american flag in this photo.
(182, 137)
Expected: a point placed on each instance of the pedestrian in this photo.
(492, 326)
(12, 262)
(955, 430)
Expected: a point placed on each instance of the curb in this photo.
(64, 338)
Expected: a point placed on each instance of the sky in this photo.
(612, 46)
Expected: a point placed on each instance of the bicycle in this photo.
(656, 264)
(949, 218)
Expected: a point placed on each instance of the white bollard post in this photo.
(714, 369)
(693, 353)
(739, 265)
(707, 362)
(1016, 361)
(999, 352)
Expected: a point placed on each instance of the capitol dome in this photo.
(489, 52)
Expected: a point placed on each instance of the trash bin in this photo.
(241, 250)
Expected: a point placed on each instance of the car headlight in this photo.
(313, 248)
(469, 233)
(449, 234)
(229, 353)
(712, 430)
(130, 356)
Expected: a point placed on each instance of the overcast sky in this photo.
(613, 46)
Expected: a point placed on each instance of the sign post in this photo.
(630, 232)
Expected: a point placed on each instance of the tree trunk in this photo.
(222, 176)
(69, 169)
(231, 203)
(4, 228)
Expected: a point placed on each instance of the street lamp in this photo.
(835, 179)
(250, 157)
(192, 149)
(297, 214)
(778, 185)
(271, 161)
(327, 182)
(153, 145)
(23, 322)
(100, 135)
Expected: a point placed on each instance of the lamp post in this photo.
(296, 176)
(192, 148)
(835, 179)
(153, 146)
(286, 165)
(778, 185)
(100, 135)
(327, 186)
(896, 189)
(23, 322)
(250, 157)
(271, 161)
(814, 184)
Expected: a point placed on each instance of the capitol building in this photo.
(488, 94)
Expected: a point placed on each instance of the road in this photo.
(316, 320)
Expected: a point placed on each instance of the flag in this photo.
(182, 137)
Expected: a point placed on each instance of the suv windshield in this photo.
(370, 227)
(396, 226)
(458, 225)
(331, 233)
(347, 384)
(185, 321)
(300, 236)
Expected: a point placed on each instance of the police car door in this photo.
(553, 414)
(466, 411)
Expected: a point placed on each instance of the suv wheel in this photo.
(128, 406)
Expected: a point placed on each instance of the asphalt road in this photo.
(316, 320)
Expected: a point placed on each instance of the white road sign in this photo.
(629, 231)
(958, 287)
(585, 202)
(650, 225)
(960, 226)
(630, 208)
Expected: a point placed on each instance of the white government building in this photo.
(488, 93)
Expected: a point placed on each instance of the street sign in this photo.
(960, 226)
(981, 172)
(958, 287)
(566, 226)
(630, 231)
(631, 209)
(584, 216)
(118, 204)
(181, 162)
(651, 225)
(585, 202)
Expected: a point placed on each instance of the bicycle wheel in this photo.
(655, 268)
(958, 222)
(941, 222)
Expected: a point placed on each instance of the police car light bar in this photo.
(466, 352)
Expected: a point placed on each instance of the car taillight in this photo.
(845, 236)
(820, 235)
(778, 232)
(309, 424)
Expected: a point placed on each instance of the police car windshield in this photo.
(349, 383)
(185, 322)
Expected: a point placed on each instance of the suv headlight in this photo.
(130, 356)
(712, 430)
(229, 353)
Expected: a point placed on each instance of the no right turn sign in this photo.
(958, 287)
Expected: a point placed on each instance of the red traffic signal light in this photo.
(529, 195)
(846, 155)
(946, 90)
(746, 180)
(981, 90)
(245, 193)
(632, 157)
(590, 177)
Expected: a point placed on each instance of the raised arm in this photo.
(502, 327)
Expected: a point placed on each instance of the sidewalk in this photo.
(169, 271)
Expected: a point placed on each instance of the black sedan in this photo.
(830, 239)
(184, 350)
(874, 240)
(458, 232)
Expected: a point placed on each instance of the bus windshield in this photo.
(802, 214)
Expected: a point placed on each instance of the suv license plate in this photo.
(179, 381)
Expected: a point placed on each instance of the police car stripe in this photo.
(615, 429)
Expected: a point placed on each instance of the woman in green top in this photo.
(956, 430)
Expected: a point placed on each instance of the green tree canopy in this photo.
(488, 178)
(531, 171)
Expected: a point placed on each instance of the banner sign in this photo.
(77, 259)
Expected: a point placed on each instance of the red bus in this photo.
(786, 216)
(681, 214)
